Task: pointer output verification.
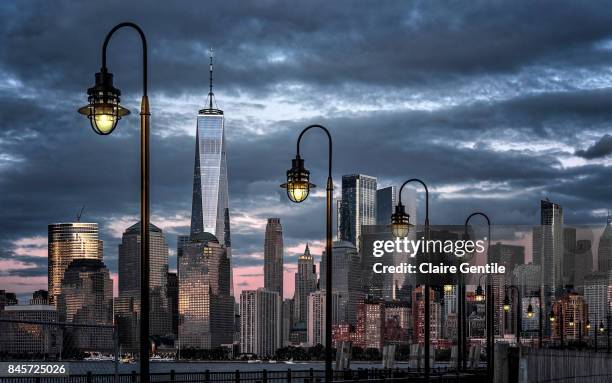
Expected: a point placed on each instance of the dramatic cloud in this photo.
(601, 148)
(494, 104)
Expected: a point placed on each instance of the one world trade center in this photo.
(210, 206)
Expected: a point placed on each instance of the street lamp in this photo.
(400, 227)
(104, 112)
(553, 319)
(530, 309)
(480, 296)
(298, 187)
(507, 307)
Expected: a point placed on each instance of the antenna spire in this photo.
(210, 92)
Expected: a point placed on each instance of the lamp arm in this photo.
(329, 140)
(399, 197)
(144, 50)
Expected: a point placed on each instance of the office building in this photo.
(595, 293)
(260, 322)
(87, 298)
(398, 322)
(273, 256)
(173, 289)
(30, 339)
(358, 204)
(67, 242)
(604, 249)
(527, 278)
(583, 263)
(286, 321)
(509, 256)
(127, 310)
(346, 271)
(40, 297)
(370, 328)
(305, 283)
(206, 308)
(548, 247)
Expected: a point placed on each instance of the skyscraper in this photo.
(210, 206)
(67, 242)
(386, 199)
(273, 256)
(87, 298)
(548, 247)
(286, 321)
(596, 297)
(346, 269)
(127, 310)
(181, 240)
(260, 324)
(305, 283)
(604, 249)
(173, 302)
(206, 308)
(569, 256)
(316, 318)
(358, 206)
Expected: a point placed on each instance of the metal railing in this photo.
(265, 376)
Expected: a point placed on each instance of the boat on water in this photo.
(254, 361)
(96, 356)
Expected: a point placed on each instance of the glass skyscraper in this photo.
(127, 308)
(358, 206)
(67, 242)
(210, 205)
(206, 309)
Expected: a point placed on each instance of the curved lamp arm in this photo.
(144, 50)
(328, 139)
(399, 197)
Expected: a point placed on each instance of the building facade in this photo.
(206, 308)
(346, 271)
(87, 298)
(67, 242)
(127, 310)
(358, 206)
(260, 322)
(305, 283)
(273, 256)
(33, 339)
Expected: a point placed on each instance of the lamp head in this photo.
(530, 311)
(588, 324)
(103, 110)
(448, 288)
(298, 181)
(552, 316)
(601, 327)
(571, 323)
(479, 294)
(400, 222)
(506, 303)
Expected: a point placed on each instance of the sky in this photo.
(496, 105)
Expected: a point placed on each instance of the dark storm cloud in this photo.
(334, 53)
(601, 148)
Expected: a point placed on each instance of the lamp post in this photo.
(599, 329)
(507, 306)
(104, 112)
(298, 187)
(489, 297)
(400, 225)
(553, 318)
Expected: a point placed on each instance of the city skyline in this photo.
(517, 143)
